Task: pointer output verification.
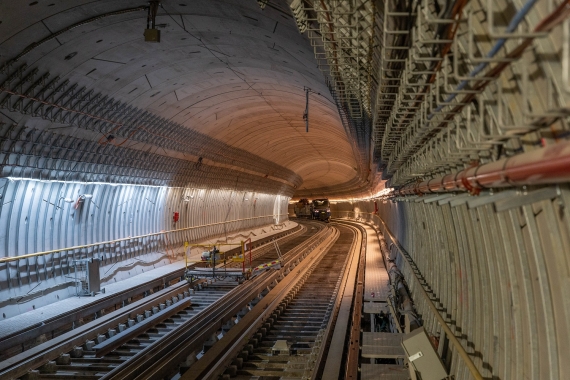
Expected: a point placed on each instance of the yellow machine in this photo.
(213, 255)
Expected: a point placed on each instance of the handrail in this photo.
(14, 258)
(464, 355)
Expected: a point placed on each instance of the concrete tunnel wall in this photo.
(498, 279)
(34, 217)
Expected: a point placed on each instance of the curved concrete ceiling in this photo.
(226, 69)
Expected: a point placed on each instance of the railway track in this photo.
(23, 340)
(98, 359)
(107, 347)
(286, 244)
(300, 324)
(287, 338)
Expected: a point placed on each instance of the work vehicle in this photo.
(321, 209)
(303, 208)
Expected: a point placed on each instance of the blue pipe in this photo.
(515, 21)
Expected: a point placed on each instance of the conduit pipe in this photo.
(548, 165)
(405, 304)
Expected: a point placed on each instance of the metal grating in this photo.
(380, 345)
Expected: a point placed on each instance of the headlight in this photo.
(328, 210)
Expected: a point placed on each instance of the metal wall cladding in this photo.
(27, 152)
(500, 279)
(34, 217)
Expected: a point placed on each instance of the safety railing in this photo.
(130, 238)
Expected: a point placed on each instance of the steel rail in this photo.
(352, 345)
(120, 339)
(345, 305)
(193, 332)
(353, 355)
(20, 364)
(70, 316)
(217, 358)
(178, 344)
(14, 258)
(452, 338)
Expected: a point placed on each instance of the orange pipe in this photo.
(547, 165)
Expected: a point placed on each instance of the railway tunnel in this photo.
(134, 135)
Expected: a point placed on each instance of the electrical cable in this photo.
(456, 13)
(556, 17)
(546, 25)
(513, 24)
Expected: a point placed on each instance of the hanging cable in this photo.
(306, 114)
(556, 17)
(515, 21)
